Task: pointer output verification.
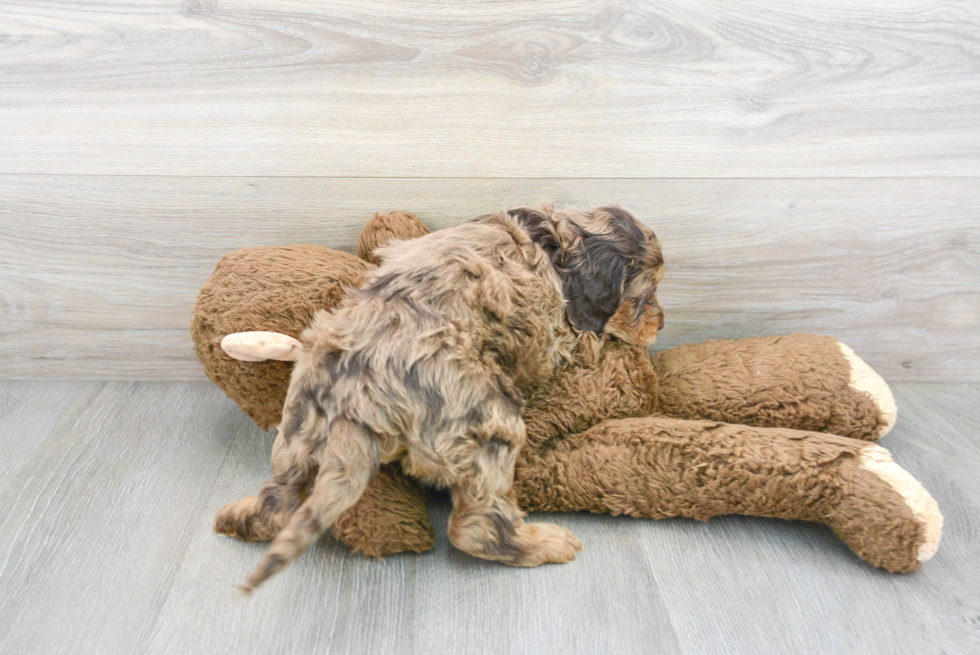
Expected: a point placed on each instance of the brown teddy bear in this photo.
(776, 426)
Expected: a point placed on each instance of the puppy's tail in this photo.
(350, 458)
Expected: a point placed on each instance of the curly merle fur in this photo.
(428, 364)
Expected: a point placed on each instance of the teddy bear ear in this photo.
(382, 229)
(260, 346)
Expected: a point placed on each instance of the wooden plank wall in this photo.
(809, 167)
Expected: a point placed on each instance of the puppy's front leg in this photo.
(486, 521)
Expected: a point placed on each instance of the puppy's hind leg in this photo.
(486, 521)
(349, 458)
(260, 518)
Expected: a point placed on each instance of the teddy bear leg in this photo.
(869, 516)
(800, 381)
(865, 380)
(660, 467)
(392, 516)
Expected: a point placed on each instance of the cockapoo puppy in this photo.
(427, 364)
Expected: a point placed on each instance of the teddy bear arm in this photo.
(801, 381)
(660, 467)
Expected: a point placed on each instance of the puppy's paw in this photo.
(238, 520)
(546, 542)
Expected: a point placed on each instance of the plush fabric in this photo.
(774, 426)
(659, 467)
(245, 293)
(385, 228)
(798, 381)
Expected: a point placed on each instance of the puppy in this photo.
(427, 363)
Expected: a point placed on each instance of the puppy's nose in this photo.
(660, 326)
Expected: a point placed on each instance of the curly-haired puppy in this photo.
(427, 364)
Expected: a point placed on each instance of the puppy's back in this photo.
(441, 321)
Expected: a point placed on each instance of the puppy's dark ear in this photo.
(593, 277)
(540, 228)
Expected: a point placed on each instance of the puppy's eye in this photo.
(642, 304)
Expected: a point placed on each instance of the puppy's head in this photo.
(609, 264)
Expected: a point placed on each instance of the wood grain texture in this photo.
(28, 413)
(795, 588)
(485, 89)
(98, 274)
(442, 601)
(107, 547)
(97, 516)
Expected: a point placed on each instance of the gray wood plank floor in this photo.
(107, 491)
